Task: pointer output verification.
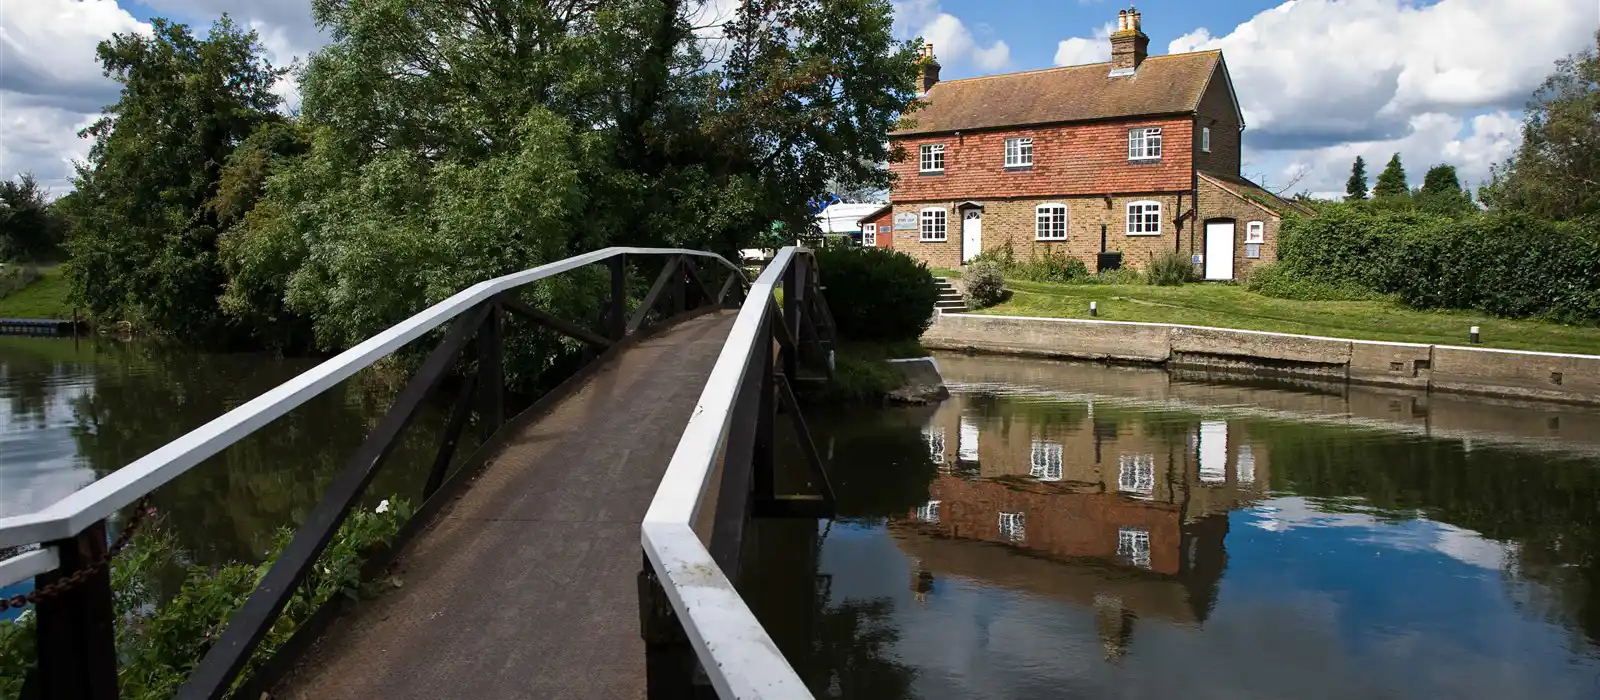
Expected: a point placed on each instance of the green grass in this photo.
(45, 298)
(1230, 306)
(945, 272)
(862, 373)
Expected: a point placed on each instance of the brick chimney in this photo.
(927, 70)
(1129, 45)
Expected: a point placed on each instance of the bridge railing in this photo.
(70, 566)
(731, 432)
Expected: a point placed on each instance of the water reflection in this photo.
(1078, 530)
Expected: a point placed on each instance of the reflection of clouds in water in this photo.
(40, 463)
(1282, 514)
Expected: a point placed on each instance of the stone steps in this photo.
(950, 300)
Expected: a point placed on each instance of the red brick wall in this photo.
(1075, 159)
(885, 234)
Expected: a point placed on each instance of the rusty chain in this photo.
(76, 578)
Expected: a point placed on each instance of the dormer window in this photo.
(932, 158)
(1144, 143)
(1019, 153)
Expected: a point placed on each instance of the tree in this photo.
(1556, 171)
(1356, 186)
(144, 242)
(30, 227)
(1392, 181)
(1441, 179)
(1441, 192)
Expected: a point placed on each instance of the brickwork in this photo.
(1014, 220)
(1217, 203)
(1217, 112)
(884, 222)
(1075, 159)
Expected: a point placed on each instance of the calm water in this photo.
(74, 410)
(1059, 530)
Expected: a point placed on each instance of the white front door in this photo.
(971, 234)
(1219, 250)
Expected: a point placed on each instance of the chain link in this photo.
(76, 578)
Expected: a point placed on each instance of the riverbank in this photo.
(44, 298)
(1233, 306)
(872, 373)
(1544, 376)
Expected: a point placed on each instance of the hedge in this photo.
(877, 294)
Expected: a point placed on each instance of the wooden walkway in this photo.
(526, 586)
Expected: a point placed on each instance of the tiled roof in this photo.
(1163, 85)
(1252, 192)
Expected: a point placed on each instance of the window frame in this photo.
(1136, 475)
(869, 235)
(1020, 142)
(1255, 234)
(1038, 222)
(1205, 139)
(934, 436)
(943, 220)
(1014, 525)
(1044, 460)
(1146, 136)
(1128, 217)
(927, 154)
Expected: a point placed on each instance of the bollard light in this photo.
(1473, 336)
(1094, 308)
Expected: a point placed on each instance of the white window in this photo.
(1144, 218)
(933, 158)
(934, 225)
(1246, 465)
(1045, 465)
(1136, 474)
(1133, 546)
(1050, 222)
(1255, 233)
(1213, 444)
(1144, 143)
(1205, 139)
(869, 235)
(967, 440)
(1019, 152)
(929, 513)
(1013, 526)
(935, 438)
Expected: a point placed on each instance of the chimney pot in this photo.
(927, 70)
(1129, 45)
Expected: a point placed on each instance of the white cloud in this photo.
(953, 43)
(1077, 51)
(1419, 534)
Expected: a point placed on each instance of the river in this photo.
(1053, 530)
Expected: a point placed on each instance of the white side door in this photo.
(1219, 250)
(971, 234)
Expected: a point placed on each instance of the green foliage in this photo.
(1506, 264)
(144, 240)
(160, 638)
(986, 283)
(877, 293)
(1279, 282)
(30, 228)
(1555, 173)
(1392, 181)
(1169, 270)
(1440, 179)
(44, 297)
(14, 277)
(1121, 275)
(1356, 187)
(1054, 265)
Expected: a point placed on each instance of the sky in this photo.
(1321, 81)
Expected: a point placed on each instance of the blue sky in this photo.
(1321, 81)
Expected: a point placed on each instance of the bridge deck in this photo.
(525, 587)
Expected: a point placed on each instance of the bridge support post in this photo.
(76, 628)
(617, 321)
(491, 374)
(669, 661)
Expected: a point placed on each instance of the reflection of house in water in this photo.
(1126, 511)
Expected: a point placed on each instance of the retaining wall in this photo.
(1492, 372)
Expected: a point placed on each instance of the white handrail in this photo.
(739, 657)
(71, 515)
(28, 565)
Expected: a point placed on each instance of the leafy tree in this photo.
(1356, 186)
(1392, 181)
(1441, 192)
(1556, 172)
(144, 243)
(1441, 179)
(30, 227)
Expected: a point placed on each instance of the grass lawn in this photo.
(1229, 306)
(45, 298)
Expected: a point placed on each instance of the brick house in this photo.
(1137, 156)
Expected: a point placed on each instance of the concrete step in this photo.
(950, 306)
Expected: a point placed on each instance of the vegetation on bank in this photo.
(29, 292)
(162, 634)
(881, 302)
(1234, 306)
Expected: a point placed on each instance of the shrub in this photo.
(877, 293)
(14, 277)
(1277, 281)
(1170, 270)
(1053, 266)
(986, 283)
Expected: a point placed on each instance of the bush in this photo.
(1170, 270)
(1053, 266)
(14, 277)
(877, 293)
(1277, 281)
(986, 283)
